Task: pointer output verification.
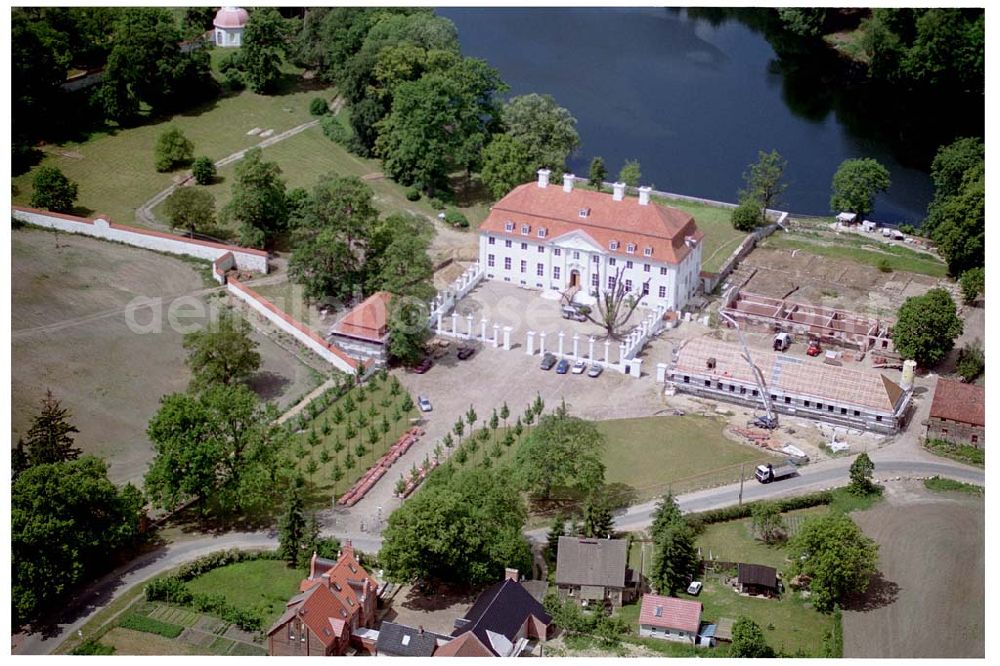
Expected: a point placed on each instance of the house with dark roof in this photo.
(502, 622)
(757, 579)
(670, 618)
(958, 413)
(335, 606)
(397, 640)
(593, 572)
(364, 330)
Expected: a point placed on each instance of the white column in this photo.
(468, 326)
(541, 343)
(506, 337)
(576, 346)
(530, 343)
(496, 335)
(621, 353)
(561, 336)
(635, 365)
(590, 356)
(482, 329)
(454, 324)
(607, 351)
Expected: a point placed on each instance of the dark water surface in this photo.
(692, 101)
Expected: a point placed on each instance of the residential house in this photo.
(592, 572)
(571, 239)
(334, 607)
(364, 331)
(502, 623)
(757, 579)
(669, 618)
(958, 413)
(397, 640)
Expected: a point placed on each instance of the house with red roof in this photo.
(364, 331)
(334, 608)
(670, 618)
(571, 239)
(958, 413)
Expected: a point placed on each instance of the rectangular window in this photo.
(507, 243)
(613, 245)
(788, 400)
(506, 263)
(879, 420)
(819, 405)
(595, 281)
(556, 251)
(648, 252)
(857, 413)
(541, 270)
(493, 241)
(806, 403)
(687, 379)
(843, 410)
(541, 248)
(645, 268)
(525, 229)
(611, 282)
(576, 255)
(490, 260)
(524, 246)
(663, 270)
(612, 261)
(645, 289)
(508, 226)
(542, 232)
(596, 258)
(524, 266)
(630, 248)
(975, 438)
(628, 286)
(628, 264)
(663, 292)
(708, 383)
(555, 272)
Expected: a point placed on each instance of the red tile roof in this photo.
(956, 401)
(661, 228)
(673, 613)
(466, 645)
(368, 320)
(320, 610)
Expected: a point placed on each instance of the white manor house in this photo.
(575, 240)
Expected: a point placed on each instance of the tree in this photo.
(398, 261)
(748, 215)
(598, 173)
(615, 305)
(836, 555)
(50, 437)
(767, 521)
(264, 47)
(971, 361)
(861, 476)
(191, 208)
(803, 21)
(173, 149)
(558, 530)
(506, 164)
(292, 525)
(675, 558)
(630, 173)
(667, 513)
(222, 353)
(855, 185)
(952, 162)
(597, 519)
(972, 281)
(203, 170)
(545, 128)
(52, 190)
(926, 327)
(958, 223)
(67, 522)
(258, 203)
(749, 641)
(408, 331)
(561, 451)
(765, 181)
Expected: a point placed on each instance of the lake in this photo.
(692, 100)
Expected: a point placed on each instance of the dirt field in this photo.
(930, 600)
(70, 333)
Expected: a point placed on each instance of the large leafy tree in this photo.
(748, 640)
(836, 555)
(545, 128)
(631, 173)
(50, 437)
(506, 164)
(562, 450)
(51, 189)
(463, 527)
(40, 57)
(398, 259)
(259, 201)
(765, 181)
(191, 208)
(926, 327)
(675, 558)
(598, 173)
(222, 353)
(767, 521)
(959, 223)
(408, 330)
(265, 42)
(173, 149)
(67, 520)
(855, 185)
(861, 476)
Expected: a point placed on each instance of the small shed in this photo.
(847, 218)
(869, 225)
(724, 630)
(229, 23)
(757, 579)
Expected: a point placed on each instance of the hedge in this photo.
(150, 625)
(698, 521)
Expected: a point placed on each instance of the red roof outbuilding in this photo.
(670, 613)
(367, 321)
(231, 17)
(956, 401)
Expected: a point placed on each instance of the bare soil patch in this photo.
(434, 611)
(929, 599)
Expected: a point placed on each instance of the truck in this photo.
(782, 341)
(768, 473)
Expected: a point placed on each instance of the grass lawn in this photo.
(860, 250)
(289, 297)
(140, 643)
(733, 541)
(960, 452)
(680, 452)
(720, 236)
(939, 484)
(265, 585)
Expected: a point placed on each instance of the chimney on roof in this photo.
(619, 189)
(568, 180)
(346, 549)
(510, 574)
(644, 195)
(543, 177)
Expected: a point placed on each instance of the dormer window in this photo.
(648, 252)
(542, 232)
(584, 212)
(613, 245)
(508, 226)
(525, 229)
(630, 248)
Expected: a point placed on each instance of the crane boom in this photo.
(758, 376)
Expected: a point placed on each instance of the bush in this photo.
(698, 521)
(170, 589)
(203, 170)
(413, 194)
(747, 216)
(456, 219)
(971, 361)
(173, 149)
(436, 203)
(150, 625)
(335, 131)
(884, 266)
(52, 190)
(318, 106)
(973, 281)
(232, 76)
(92, 647)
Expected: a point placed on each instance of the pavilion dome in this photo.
(231, 17)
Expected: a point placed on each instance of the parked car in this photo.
(548, 361)
(595, 370)
(423, 403)
(424, 366)
(465, 352)
(563, 367)
(579, 367)
(569, 312)
(694, 588)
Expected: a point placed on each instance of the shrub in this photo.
(335, 131)
(436, 203)
(53, 190)
(413, 194)
(971, 361)
(173, 149)
(203, 170)
(698, 521)
(972, 281)
(318, 106)
(747, 216)
(169, 589)
(884, 265)
(456, 219)
(150, 625)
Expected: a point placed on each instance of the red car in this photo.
(424, 366)
(814, 349)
